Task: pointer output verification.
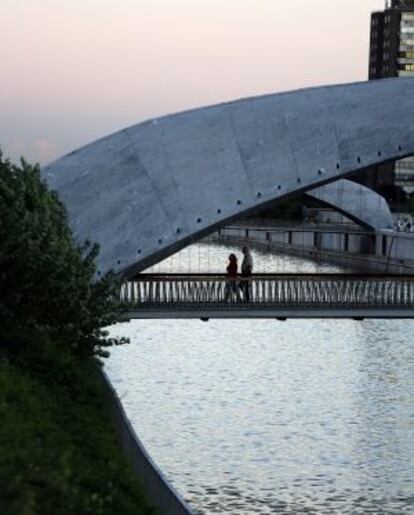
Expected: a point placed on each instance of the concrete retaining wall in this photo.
(384, 251)
(396, 245)
(155, 485)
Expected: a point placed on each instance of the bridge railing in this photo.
(282, 290)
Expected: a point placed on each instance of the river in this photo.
(260, 416)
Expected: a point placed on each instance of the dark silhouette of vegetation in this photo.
(59, 453)
(46, 281)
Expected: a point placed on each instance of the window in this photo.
(407, 40)
(408, 54)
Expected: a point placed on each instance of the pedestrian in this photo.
(246, 273)
(231, 284)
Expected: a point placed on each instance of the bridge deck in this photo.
(270, 296)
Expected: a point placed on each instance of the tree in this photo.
(46, 281)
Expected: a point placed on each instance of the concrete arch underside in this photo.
(359, 203)
(149, 190)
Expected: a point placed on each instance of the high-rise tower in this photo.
(392, 55)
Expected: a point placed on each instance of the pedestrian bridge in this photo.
(278, 296)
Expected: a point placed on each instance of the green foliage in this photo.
(59, 454)
(58, 451)
(46, 281)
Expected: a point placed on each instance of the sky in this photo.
(76, 70)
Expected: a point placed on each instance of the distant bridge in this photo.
(279, 296)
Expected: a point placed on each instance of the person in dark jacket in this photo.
(246, 272)
(231, 284)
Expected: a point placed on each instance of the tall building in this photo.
(392, 55)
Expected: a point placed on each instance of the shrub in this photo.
(47, 281)
(59, 452)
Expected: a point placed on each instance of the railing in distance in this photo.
(313, 291)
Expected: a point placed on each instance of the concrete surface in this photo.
(278, 314)
(151, 189)
(357, 202)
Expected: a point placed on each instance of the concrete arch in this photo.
(149, 190)
(359, 203)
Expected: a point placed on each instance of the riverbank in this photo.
(381, 252)
(59, 452)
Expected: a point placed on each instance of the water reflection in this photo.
(268, 417)
(213, 257)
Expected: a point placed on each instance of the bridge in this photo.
(270, 296)
(150, 190)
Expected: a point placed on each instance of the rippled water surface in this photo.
(248, 417)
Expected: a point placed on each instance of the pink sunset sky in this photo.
(76, 70)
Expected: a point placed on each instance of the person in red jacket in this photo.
(231, 285)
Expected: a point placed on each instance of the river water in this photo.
(260, 416)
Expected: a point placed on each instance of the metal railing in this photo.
(312, 291)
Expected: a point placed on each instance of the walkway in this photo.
(271, 296)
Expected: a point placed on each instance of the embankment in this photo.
(59, 452)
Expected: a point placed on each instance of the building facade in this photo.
(392, 55)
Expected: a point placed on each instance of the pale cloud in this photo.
(45, 151)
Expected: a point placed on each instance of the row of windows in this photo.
(408, 54)
(409, 40)
(389, 70)
(375, 44)
(376, 20)
(403, 66)
(406, 16)
(407, 67)
(384, 69)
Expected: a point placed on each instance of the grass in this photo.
(58, 450)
